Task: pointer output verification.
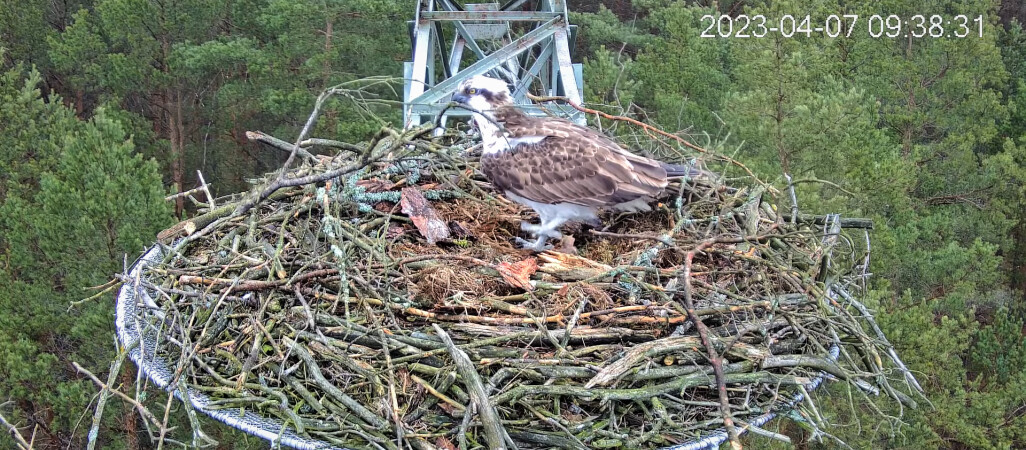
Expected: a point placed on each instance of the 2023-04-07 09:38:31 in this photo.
(843, 25)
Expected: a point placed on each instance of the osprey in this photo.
(564, 171)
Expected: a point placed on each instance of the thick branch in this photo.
(13, 431)
(494, 433)
(715, 360)
(260, 136)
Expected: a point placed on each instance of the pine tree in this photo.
(70, 216)
(683, 88)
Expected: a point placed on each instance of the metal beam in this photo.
(429, 78)
(449, 5)
(457, 54)
(511, 5)
(493, 61)
(428, 86)
(512, 64)
(532, 73)
(446, 73)
(559, 6)
(509, 16)
(468, 37)
(566, 68)
(420, 55)
(532, 109)
(471, 43)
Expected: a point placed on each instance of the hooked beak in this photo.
(460, 98)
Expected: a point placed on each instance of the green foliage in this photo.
(610, 79)
(605, 29)
(32, 133)
(683, 88)
(212, 71)
(678, 89)
(80, 53)
(85, 201)
(1001, 349)
(23, 31)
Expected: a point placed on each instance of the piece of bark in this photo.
(425, 218)
(459, 231)
(444, 444)
(518, 274)
(571, 267)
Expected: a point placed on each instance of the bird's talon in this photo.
(553, 234)
(529, 227)
(537, 246)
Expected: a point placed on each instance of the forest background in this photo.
(107, 106)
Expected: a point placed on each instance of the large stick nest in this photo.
(389, 304)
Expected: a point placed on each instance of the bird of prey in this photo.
(562, 170)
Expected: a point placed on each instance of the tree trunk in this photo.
(1017, 260)
(128, 420)
(782, 153)
(175, 132)
(330, 114)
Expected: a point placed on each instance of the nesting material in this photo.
(390, 304)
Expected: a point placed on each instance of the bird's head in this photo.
(483, 93)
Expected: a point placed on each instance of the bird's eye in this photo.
(472, 91)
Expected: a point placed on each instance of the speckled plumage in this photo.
(572, 164)
(562, 170)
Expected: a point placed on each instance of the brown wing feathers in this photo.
(572, 164)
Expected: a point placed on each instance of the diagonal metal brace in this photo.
(492, 61)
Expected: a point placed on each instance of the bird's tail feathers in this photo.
(690, 171)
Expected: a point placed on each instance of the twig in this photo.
(765, 433)
(206, 190)
(110, 286)
(13, 432)
(282, 181)
(662, 240)
(431, 390)
(307, 128)
(493, 430)
(676, 384)
(183, 194)
(828, 183)
(336, 393)
(333, 144)
(142, 409)
(260, 136)
(115, 369)
(714, 358)
(846, 222)
(794, 197)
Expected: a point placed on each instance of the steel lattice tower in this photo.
(528, 43)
